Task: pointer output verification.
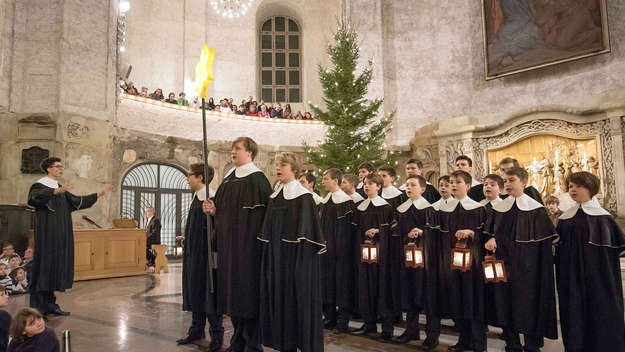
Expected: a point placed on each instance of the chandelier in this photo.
(231, 8)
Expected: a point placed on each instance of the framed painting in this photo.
(522, 35)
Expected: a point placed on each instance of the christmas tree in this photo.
(356, 133)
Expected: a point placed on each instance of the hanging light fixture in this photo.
(231, 8)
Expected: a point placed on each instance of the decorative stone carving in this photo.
(76, 130)
(130, 156)
(32, 158)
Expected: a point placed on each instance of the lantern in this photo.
(494, 270)
(178, 248)
(413, 256)
(369, 252)
(461, 256)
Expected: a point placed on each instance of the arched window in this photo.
(162, 187)
(280, 60)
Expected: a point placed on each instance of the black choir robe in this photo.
(196, 295)
(476, 192)
(395, 198)
(241, 201)
(435, 305)
(524, 234)
(419, 214)
(290, 278)
(460, 294)
(53, 262)
(530, 191)
(374, 280)
(336, 212)
(589, 283)
(360, 189)
(431, 193)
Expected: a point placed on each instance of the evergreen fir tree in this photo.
(355, 132)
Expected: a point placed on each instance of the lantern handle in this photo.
(370, 240)
(462, 243)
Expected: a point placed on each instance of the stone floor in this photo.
(143, 313)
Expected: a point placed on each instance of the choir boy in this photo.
(363, 171)
(507, 163)
(462, 220)
(309, 181)
(336, 212)
(414, 167)
(588, 271)
(445, 192)
(493, 185)
(552, 204)
(521, 234)
(290, 278)
(374, 220)
(348, 185)
(464, 163)
(415, 219)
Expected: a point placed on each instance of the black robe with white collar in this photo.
(588, 272)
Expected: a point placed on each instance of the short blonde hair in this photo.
(289, 158)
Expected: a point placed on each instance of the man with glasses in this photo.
(53, 263)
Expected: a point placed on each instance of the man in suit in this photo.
(153, 234)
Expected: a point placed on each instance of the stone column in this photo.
(616, 132)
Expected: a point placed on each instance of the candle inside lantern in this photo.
(499, 269)
(365, 253)
(374, 253)
(458, 258)
(488, 271)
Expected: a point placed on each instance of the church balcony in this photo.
(156, 117)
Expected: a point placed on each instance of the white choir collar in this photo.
(390, 192)
(244, 170)
(475, 182)
(467, 204)
(591, 207)
(356, 197)
(337, 197)
(438, 203)
(492, 202)
(524, 203)
(419, 204)
(290, 190)
(360, 185)
(317, 198)
(201, 194)
(48, 182)
(377, 201)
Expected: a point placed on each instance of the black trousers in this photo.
(149, 255)
(472, 333)
(215, 327)
(513, 341)
(387, 323)
(43, 301)
(246, 335)
(340, 316)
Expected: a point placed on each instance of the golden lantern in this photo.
(494, 270)
(369, 252)
(413, 256)
(178, 248)
(461, 256)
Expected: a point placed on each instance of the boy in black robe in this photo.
(414, 167)
(493, 185)
(196, 295)
(464, 163)
(521, 234)
(507, 163)
(335, 212)
(363, 171)
(374, 220)
(394, 197)
(415, 220)
(53, 263)
(462, 219)
(239, 210)
(291, 289)
(588, 271)
(348, 185)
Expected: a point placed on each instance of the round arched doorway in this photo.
(163, 187)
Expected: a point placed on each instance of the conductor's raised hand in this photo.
(491, 245)
(106, 189)
(208, 206)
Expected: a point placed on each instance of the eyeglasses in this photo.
(58, 167)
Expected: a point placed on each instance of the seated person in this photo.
(29, 333)
(20, 282)
(252, 111)
(241, 110)
(182, 99)
(5, 319)
(15, 262)
(7, 252)
(171, 99)
(5, 279)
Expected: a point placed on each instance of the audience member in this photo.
(249, 101)
(29, 333)
(157, 95)
(299, 116)
(130, 89)
(172, 99)
(144, 92)
(182, 99)
(211, 104)
(7, 252)
(287, 115)
(287, 108)
(276, 112)
(5, 320)
(5, 279)
(252, 111)
(241, 109)
(308, 116)
(195, 103)
(20, 281)
(263, 111)
(218, 108)
(15, 261)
